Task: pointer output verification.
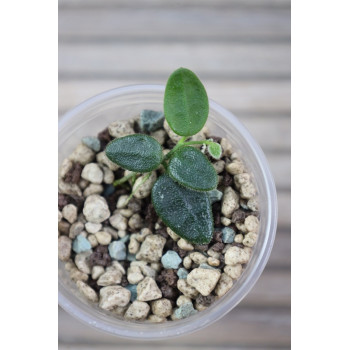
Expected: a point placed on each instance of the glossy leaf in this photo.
(191, 168)
(188, 213)
(186, 104)
(215, 150)
(137, 152)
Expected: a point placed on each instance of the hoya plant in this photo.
(181, 195)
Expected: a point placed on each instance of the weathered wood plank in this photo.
(243, 327)
(171, 4)
(241, 97)
(196, 23)
(281, 251)
(245, 61)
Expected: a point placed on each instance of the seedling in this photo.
(180, 196)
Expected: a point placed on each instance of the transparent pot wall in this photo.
(93, 116)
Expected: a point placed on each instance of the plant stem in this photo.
(183, 143)
(123, 179)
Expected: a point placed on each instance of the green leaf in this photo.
(188, 213)
(191, 168)
(137, 152)
(215, 150)
(186, 104)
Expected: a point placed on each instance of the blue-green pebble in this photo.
(92, 142)
(206, 266)
(171, 260)
(117, 250)
(108, 190)
(214, 196)
(133, 290)
(81, 244)
(184, 311)
(125, 239)
(151, 120)
(228, 235)
(182, 273)
(131, 257)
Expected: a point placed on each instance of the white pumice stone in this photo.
(96, 209)
(137, 311)
(236, 255)
(204, 280)
(87, 291)
(230, 202)
(93, 173)
(113, 296)
(70, 213)
(224, 285)
(148, 290)
(233, 271)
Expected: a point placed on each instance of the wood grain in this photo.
(249, 61)
(197, 23)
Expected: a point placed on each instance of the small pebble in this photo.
(70, 189)
(215, 196)
(135, 222)
(92, 142)
(117, 250)
(206, 266)
(183, 244)
(230, 202)
(233, 271)
(251, 223)
(159, 135)
(64, 248)
(186, 289)
(76, 229)
(143, 189)
(162, 307)
(122, 201)
(172, 234)
(204, 280)
(108, 175)
(134, 275)
(239, 238)
(182, 273)
(113, 296)
(213, 262)
(198, 258)
(110, 277)
(225, 221)
(148, 290)
(236, 255)
(250, 239)
(81, 244)
(88, 292)
(182, 299)
(152, 248)
(137, 311)
(93, 173)
(228, 235)
(118, 221)
(171, 260)
(96, 209)
(70, 213)
(104, 238)
(120, 128)
(92, 227)
(151, 120)
(184, 311)
(93, 189)
(82, 261)
(102, 159)
(187, 262)
(224, 285)
(97, 271)
(133, 291)
(108, 190)
(82, 154)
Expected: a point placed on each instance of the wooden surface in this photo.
(241, 51)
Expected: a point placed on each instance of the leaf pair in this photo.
(142, 153)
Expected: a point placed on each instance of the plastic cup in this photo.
(93, 115)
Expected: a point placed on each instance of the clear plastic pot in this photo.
(93, 115)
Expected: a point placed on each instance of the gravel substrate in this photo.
(122, 256)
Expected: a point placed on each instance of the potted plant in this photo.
(160, 219)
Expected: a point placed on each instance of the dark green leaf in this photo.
(188, 213)
(186, 104)
(214, 150)
(191, 168)
(137, 152)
